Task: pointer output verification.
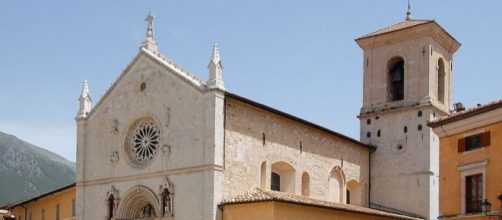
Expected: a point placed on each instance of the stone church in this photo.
(163, 144)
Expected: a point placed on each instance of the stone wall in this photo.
(254, 136)
(186, 115)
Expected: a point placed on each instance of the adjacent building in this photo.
(58, 204)
(470, 163)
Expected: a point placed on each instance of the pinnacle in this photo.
(215, 56)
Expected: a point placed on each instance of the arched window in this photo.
(396, 79)
(441, 80)
(263, 175)
(335, 185)
(305, 184)
(354, 193)
(282, 177)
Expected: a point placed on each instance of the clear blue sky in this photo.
(296, 56)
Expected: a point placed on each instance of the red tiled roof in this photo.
(257, 195)
(396, 27)
(465, 113)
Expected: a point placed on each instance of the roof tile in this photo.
(259, 195)
(466, 113)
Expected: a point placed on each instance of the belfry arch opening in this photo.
(395, 82)
(441, 74)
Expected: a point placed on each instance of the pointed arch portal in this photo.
(140, 203)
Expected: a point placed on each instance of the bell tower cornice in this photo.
(409, 30)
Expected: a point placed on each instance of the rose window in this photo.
(144, 142)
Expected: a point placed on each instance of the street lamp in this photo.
(486, 206)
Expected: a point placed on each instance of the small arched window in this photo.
(441, 80)
(335, 185)
(282, 177)
(263, 175)
(396, 79)
(305, 184)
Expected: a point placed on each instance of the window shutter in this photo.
(485, 139)
(461, 145)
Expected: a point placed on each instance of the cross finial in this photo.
(149, 20)
(149, 42)
(408, 13)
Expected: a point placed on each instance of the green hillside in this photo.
(27, 170)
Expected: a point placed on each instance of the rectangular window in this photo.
(275, 182)
(348, 197)
(473, 193)
(73, 207)
(30, 216)
(474, 142)
(43, 214)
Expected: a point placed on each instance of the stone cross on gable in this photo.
(149, 20)
(149, 42)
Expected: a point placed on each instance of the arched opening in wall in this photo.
(354, 193)
(263, 175)
(336, 185)
(282, 177)
(441, 80)
(140, 203)
(395, 82)
(305, 184)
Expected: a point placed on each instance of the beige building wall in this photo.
(455, 165)
(256, 139)
(287, 211)
(46, 207)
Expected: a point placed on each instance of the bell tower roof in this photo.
(407, 30)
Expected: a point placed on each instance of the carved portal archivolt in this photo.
(142, 203)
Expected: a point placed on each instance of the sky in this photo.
(296, 56)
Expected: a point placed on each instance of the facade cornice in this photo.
(178, 171)
(469, 123)
(427, 29)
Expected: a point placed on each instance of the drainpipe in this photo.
(373, 149)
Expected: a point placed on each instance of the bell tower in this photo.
(407, 81)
